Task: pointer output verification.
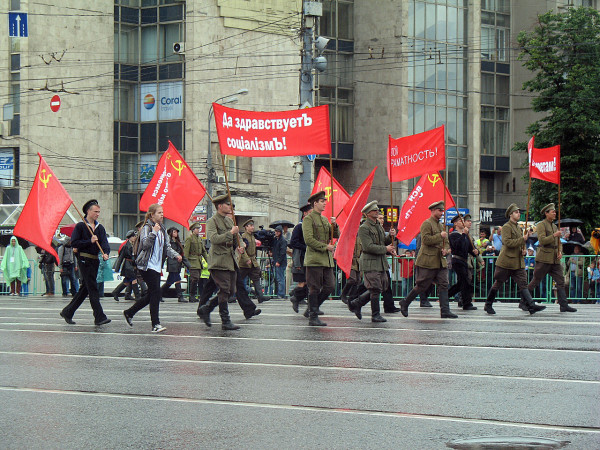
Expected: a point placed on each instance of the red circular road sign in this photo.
(55, 103)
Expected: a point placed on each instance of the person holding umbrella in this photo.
(549, 254)
(14, 266)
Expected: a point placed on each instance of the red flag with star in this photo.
(175, 187)
(46, 205)
(340, 196)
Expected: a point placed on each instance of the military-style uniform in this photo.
(373, 264)
(547, 260)
(249, 266)
(433, 266)
(318, 260)
(194, 251)
(460, 244)
(511, 264)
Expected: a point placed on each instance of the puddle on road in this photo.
(506, 442)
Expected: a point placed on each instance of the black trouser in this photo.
(151, 297)
(88, 268)
(463, 284)
(388, 297)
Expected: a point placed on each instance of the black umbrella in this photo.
(283, 223)
(569, 248)
(569, 222)
(5, 241)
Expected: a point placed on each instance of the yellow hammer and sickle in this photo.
(328, 192)
(180, 166)
(435, 179)
(46, 179)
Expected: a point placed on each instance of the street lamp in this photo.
(226, 99)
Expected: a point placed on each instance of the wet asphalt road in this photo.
(418, 382)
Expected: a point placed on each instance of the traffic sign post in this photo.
(17, 24)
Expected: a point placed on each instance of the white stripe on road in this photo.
(298, 366)
(321, 409)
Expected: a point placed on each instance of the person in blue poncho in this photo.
(14, 266)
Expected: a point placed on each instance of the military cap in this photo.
(140, 224)
(194, 226)
(437, 205)
(306, 207)
(371, 206)
(316, 196)
(130, 233)
(511, 209)
(220, 199)
(248, 222)
(87, 205)
(548, 207)
(455, 218)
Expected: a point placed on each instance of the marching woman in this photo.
(153, 249)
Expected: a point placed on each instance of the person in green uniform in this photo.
(432, 262)
(547, 259)
(194, 251)
(318, 260)
(373, 263)
(249, 266)
(511, 262)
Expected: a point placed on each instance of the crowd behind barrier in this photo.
(582, 278)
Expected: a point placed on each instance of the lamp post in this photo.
(226, 100)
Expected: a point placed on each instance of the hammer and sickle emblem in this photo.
(434, 179)
(45, 179)
(328, 192)
(179, 167)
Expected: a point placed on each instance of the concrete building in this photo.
(395, 68)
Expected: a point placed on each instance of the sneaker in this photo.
(158, 328)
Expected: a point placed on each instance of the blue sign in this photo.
(451, 214)
(17, 24)
(311, 158)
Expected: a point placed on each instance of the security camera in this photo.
(320, 63)
(321, 43)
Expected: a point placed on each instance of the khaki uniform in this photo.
(318, 260)
(511, 262)
(373, 260)
(194, 251)
(249, 266)
(546, 259)
(221, 260)
(433, 266)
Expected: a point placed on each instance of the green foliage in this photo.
(563, 53)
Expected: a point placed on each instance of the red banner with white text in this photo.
(280, 133)
(544, 164)
(415, 155)
(415, 210)
(175, 187)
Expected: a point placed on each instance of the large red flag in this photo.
(277, 133)
(415, 210)
(46, 205)
(415, 155)
(175, 187)
(340, 196)
(544, 163)
(345, 245)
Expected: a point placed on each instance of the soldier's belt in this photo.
(89, 255)
(460, 258)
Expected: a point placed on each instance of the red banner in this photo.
(340, 196)
(415, 155)
(281, 133)
(544, 163)
(415, 210)
(46, 205)
(175, 187)
(344, 249)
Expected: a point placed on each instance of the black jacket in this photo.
(279, 255)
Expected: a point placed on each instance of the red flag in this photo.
(544, 163)
(46, 205)
(175, 187)
(278, 133)
(415, 155)
(415, 210)
(340, 196)
(345, 245)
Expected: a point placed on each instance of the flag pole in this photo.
(392, 221)
(331, 187)
(227, 186)
(89, 228)
(528, 199)
(559, 203)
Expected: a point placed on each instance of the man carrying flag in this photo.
(432, 263)
(373, 263)
(547, 259)
(85, 238)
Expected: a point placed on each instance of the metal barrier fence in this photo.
(36, 284)
(579, 281)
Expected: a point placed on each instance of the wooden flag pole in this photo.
(227, 185)
(392, 220)
(331, 187)
(559, 203)
(528, 200)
